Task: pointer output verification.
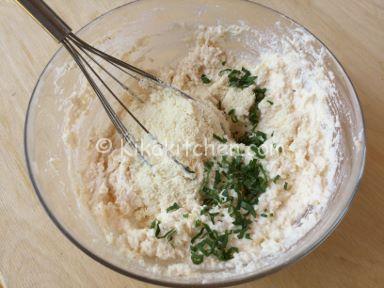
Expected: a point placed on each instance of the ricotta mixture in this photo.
(260, 139)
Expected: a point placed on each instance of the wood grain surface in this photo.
(34, 253)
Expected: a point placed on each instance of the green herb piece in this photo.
(198, 223)
(270, 102)
(232, 115)
(242, 222)
(277, 177)
(271, 214)
(168, 235)
(197, 235)
(186, 215)
(196, 258)
(209, 242)
(285, 186)
(246, 181)
(208, 165)
(254, 115)
(205, 79)
(155, 225)
(259, 152)
(254, 111)
(280, 149)
(273, 133)
(241, 79)
(217, 177)
(256, 138)
(204, 210)
(248, 207)
(232, 183)
(259, 93)
(223, 63)
(212, 216)
(174, 207)
(220, 139)
(263, 215)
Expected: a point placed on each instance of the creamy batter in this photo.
(130, 200)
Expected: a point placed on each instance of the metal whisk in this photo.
(85, 55)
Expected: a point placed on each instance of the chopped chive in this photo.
(241, 78)
(169, 235)
(221, 139)
(254, 111)
(277, 177)
(198, 223)
(205, 79)
(197, 258)
(259, 152)
(285, 186)
(257, 138)
(212, 217)
(270, 102)
(234, 174)
(155, 225)
(204, 210)
(173, 207)
(232, 115)
(229, 182)
(210, 242)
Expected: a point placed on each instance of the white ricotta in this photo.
(125, 196)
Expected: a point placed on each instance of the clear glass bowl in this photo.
(44, 147)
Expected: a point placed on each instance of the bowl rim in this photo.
(227, 282)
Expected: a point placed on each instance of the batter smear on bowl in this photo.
(260, 138)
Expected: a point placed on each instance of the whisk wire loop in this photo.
(59, 30)
(75, 46)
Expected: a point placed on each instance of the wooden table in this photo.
(34, 253)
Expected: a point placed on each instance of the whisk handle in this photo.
(45, 16)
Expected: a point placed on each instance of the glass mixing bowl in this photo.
(119, 28)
